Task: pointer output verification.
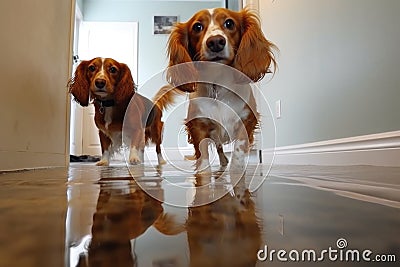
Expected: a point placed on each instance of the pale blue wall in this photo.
(339, 68)
(79, 3)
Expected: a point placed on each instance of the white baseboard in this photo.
(381, 149)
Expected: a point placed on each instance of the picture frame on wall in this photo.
(163, 24)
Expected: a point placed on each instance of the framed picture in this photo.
(163, 24)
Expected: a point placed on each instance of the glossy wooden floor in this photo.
(99, 216)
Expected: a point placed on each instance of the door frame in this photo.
(76, 111)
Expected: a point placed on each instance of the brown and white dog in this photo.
(110, 86)
(231, 39)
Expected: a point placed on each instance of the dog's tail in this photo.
(165, 97)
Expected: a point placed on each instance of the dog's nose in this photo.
(216, 43)
(100, 83)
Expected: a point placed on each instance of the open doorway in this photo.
(116, 40)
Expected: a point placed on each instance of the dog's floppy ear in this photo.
(79, 85)
(255, 53)
(181, 72)
(125, 87)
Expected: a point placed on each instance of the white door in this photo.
(116, 40)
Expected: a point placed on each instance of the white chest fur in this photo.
(225, 107)
(108, 113)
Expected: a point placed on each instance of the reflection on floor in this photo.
(99, 216)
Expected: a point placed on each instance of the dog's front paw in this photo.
(102, 162)
(134, 159)
(161, 160)
(134, 156)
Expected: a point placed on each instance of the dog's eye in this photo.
(229, 24)
(197, 27)
(113, 69)
(92, 68)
